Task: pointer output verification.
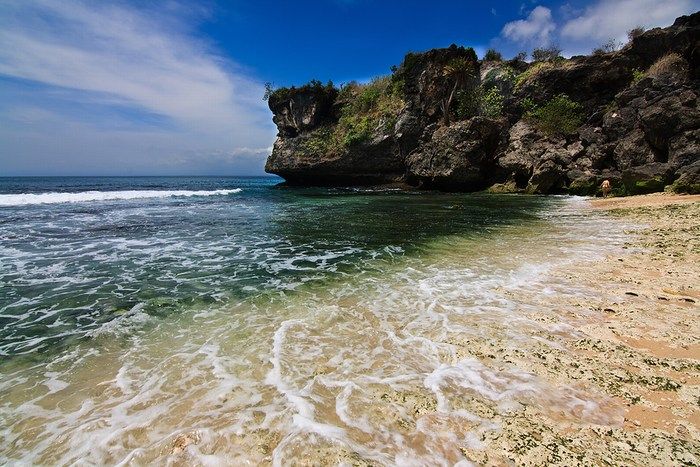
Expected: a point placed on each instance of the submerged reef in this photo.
(446, 120)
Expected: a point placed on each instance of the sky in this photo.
(127, 87)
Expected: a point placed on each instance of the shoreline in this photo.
(641, 347)
(656, 316)
(629, 346)
(638, 201)
(548, 343)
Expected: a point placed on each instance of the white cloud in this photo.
(578, 31)
(148, 62)
(613, 18)
(536, 30)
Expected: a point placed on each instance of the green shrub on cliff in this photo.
(559, 115)
(358, 130)
(527, 105)
(367, 98)
(637, 75)
(458, 75)
(314, 86)
(502, 77)
(472, 102)
(410, 61)
(492, 103)
(368, 108)
(318, 142)
(531, 72)
(347, 91)
(467, 104)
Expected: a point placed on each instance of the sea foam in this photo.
(22, 199)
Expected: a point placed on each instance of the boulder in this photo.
(533, 160)
(459, 157)
(549, 172)
(688, 179)
(647, 178)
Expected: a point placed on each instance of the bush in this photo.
(492, 103)
(318, 142)
(546, 54)
(527, 105)
(471, 102)
(368, 108)
(359, 129)
(467, 103)
(559, 115)
(397, 87)
(410, 61)
(367, 98)
(670, 64)
(611, 45)
(637, 75)
(520, 56)
(348, 90)
(269, 89)
(492, 55)
(534, 69)
(503, 77)
(633, 33)
(313, 86)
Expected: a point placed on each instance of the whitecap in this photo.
(23, 199)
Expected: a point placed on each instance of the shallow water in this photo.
(273, 325)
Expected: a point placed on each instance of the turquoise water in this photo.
(229, 320)
(68, 267)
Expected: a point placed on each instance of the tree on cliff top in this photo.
(492, 55)
(457, 73)
(546, 54)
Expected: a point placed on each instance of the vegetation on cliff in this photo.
(445, 119)
(366, 109)
(559, 115)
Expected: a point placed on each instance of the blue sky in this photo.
(173, 87)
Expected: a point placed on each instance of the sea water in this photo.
(233, 320)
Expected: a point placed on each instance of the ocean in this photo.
(234, 320)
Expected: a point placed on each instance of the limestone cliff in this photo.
(445, 120)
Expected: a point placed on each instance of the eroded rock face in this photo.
(537, 163)
(458, 157)
(642, 135)
(688, 180)
(300, 163)
(302, 110)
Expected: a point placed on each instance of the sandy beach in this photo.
(640, 346)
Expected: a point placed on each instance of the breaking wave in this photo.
(22, 199)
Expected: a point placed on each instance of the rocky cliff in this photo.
(446, 120)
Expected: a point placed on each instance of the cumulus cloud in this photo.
(535, 30)
(578, 31)
(113, 59)
(613, 18)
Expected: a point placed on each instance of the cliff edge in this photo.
(446, 120)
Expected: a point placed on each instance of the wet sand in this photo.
(640, 347)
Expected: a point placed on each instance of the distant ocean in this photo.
(239, 313)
